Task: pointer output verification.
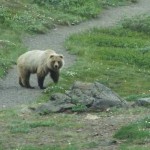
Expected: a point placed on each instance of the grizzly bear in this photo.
(41, 63)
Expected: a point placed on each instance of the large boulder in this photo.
(83, 97)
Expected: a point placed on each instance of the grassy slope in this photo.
(113, 57)
(37, 16)
(17, 17)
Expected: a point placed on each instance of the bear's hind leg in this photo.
(25, 80)
(20, 82)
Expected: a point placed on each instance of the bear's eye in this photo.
(53, 62)
(59, 63)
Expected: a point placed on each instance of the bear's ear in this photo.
(51, 56)
(61, 56)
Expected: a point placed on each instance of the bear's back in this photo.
(32, 58)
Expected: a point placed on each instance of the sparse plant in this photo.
(137, 133)
(79, 108)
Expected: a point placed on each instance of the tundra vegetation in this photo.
(117, 57)
(38, 16)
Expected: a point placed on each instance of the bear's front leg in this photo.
(54, 75)
(40, 82)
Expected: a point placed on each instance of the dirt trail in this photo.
(11, 94)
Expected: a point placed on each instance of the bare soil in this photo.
(89, 130)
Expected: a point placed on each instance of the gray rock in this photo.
(47, 108)
(53, 107)
(93, 96)
(61, 98)
(143, 102)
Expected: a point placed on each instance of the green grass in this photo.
(113, 57)
(60, 131)
(10, 49)
(21, 126)
(55, 131)
(113, 69)
(57, 147)
(116, 57)
(139, 23)
(107, 3)
(38, 16)
(137, 133)
(133, 147)
(24, 131)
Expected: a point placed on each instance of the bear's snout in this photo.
(56, 66)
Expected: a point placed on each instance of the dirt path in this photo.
(11, 94)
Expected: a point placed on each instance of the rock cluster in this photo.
(82, 97)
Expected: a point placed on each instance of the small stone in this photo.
(143, 102)
(91, 117)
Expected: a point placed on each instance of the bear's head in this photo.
(55, 62)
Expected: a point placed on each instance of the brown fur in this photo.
(41, 63)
